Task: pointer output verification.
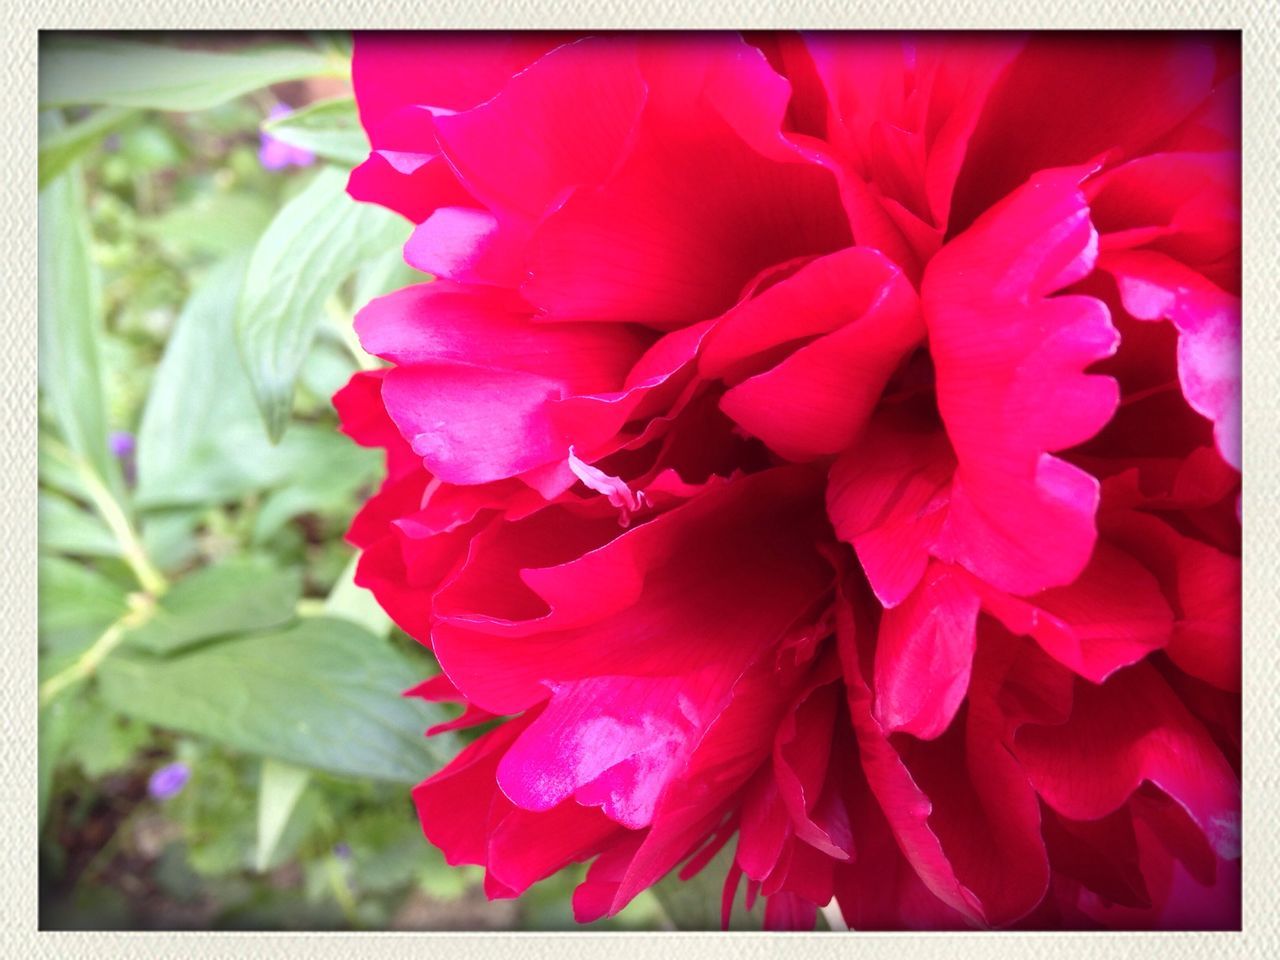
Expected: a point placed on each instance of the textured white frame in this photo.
(19, 934)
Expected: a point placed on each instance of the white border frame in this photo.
(19, 934)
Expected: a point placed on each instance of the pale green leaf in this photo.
(328, 128)
(201, 439)
(69, 323)
(67, 528)
(60, 148)
(356, 604)
(317, 240)
(279, 790)
(125, 73)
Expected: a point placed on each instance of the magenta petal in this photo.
(816, 400)
(924, 654)
(561, 123)
(1152, 286)
(1066, 98)
(1113, 615)
(1133, 729)
(463, 244)
(1011, 386)
(614, 742)
(887, 496)
(698, 587)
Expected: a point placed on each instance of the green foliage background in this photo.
(196, 601)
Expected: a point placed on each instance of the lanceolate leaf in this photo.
(323, 694)
(201, 439)
(279, 790)
(234, 596)
(58, 149)
(124, 73)
(70, 327)
(316, 241)
(328, 128)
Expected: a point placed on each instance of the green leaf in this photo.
(356, 604)
(69, 324)
(60, 148)
(328, 128)
(125, 73)
(694, 904)
(201, 439)
(384, 274)
(53, 733)
(317, 240)
(103, 742)
(279, 790)
(324, 694)
(214, 224)
(66, 528)
(75, 605)
(236, 596)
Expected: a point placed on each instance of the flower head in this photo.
(275, 154)
(168, 781)
(827, 445)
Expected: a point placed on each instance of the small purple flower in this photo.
(276, 154)
(342, 851)
(122, 445)
(167, 781)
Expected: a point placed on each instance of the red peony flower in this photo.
(827, 444)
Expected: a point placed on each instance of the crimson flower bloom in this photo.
(826, 444)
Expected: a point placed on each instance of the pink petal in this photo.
(902, 111)
(1011, 387)
(1204, 583)
(466, 245)
(667, 244)
(453, 71)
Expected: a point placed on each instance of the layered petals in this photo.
(822, 449)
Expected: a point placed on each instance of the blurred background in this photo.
(222, 741)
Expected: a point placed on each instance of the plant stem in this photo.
(113, 514)
(141, 607)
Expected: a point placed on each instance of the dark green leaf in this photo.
(124, 73)
(236, 596)
(323, 694)
(317, 240)
(328, 128)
